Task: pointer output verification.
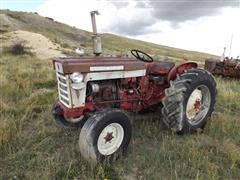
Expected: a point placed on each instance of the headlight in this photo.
(76, 77)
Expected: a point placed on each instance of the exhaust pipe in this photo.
(97, 45)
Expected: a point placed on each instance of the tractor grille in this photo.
(63, 89)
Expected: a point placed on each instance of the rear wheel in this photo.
(105, 136)
(70, 123)
(189, 101)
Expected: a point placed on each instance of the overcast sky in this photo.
(206, 25)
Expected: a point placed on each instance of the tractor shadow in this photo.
(147, 120)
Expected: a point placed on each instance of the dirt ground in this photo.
(42, 47)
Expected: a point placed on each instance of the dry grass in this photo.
(32, 146)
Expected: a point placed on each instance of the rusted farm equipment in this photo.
(228, 67)
(95, 91)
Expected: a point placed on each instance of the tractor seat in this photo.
(159, 67)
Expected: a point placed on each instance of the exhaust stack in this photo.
(97, 45)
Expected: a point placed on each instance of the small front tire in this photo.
(105, 136)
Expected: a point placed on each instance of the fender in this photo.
(179, 69)
(75, 112)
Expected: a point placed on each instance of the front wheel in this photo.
(105, 135)
(70, 123)
(189, 101)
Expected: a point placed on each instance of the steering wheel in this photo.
(141, 56)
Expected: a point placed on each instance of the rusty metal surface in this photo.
(179, 69)
(159, 67)
(83, 64)
(226, 68)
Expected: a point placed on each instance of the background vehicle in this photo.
(229, 67)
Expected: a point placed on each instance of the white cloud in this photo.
(207, 34)
(77, 13)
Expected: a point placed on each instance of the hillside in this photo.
(70, 37)
(32, 146)
(39, 45)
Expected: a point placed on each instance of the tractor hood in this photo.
(96, 64)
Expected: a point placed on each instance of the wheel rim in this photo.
(110, 139)
(74, 120)
(198, 104)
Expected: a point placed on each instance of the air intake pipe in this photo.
(97, 45)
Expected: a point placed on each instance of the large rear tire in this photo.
(105, 136)
(189, 101)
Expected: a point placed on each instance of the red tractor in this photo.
(228, 67)
(94, 92)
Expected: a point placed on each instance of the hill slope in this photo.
(70, 37)
(38, 44)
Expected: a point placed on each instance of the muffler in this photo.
(97, 45)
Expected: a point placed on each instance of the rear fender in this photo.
(179, 69)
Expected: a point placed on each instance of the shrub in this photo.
(18, 48)
(68, 52)
(3, 30)
(51, 19)
(65, 45)
(16, 16)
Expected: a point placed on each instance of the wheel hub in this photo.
(194, 103)
(198, 104)
(110, 139)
